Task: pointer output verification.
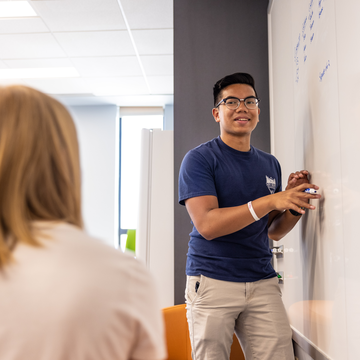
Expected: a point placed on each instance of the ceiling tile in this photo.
(107, 66)
(59, 86)
(80, 15)
(17, 46)
(120, 100)
(145, 14)
(154, 42)
(37, 63)
(91, 36)
(118, 86)
(158, 64)
(22, 26)
(161, 84)
(96, 43)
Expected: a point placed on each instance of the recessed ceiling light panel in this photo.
(38, 73)
(15, 9)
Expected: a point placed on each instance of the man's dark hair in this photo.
(237, 78)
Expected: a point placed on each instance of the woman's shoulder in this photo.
(74, 246)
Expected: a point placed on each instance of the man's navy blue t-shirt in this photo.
(235, 178)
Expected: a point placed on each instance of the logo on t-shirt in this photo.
(271, 184)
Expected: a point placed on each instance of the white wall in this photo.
(97, 128)
(168, 117)
(155, 230)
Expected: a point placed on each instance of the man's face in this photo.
(240, 122)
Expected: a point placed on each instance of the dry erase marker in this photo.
(310, 191)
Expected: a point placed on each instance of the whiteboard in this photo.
(314, 61)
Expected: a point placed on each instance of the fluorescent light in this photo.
(16, 9)
(34, 73)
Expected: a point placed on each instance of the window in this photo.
(130, 146)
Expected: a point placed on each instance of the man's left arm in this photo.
(280, 223)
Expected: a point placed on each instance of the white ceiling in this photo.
(122, 49)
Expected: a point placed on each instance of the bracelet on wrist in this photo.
(252, 211)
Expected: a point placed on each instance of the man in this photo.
(232, 192)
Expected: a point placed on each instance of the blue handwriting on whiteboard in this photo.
(297, 47)
(321, 7)
(321, 75)
(296, 59)
(311, 15)
(304, 28)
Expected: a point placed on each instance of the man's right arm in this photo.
(213, 222)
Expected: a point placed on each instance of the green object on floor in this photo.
(131, 240)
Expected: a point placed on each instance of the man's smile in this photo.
(241, 119)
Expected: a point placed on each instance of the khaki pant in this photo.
(253, 310)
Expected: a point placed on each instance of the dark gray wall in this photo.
(212, 39)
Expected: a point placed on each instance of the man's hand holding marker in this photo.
(311, 191)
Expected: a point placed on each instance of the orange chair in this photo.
(178, 339)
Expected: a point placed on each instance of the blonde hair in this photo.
(39, 166)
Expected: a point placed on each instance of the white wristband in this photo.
(252, 211)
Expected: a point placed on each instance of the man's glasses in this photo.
(232, 103)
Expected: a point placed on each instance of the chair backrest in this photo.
(177, 333)
(178, 339)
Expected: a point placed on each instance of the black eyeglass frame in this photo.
(240, 100)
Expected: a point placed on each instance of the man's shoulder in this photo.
(265, 155)
(207, 146)
(206, 149)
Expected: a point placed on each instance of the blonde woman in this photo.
(63, 294)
